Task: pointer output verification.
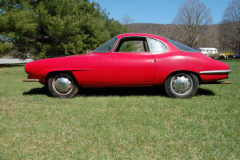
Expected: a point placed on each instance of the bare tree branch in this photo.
(230, 27)
(191, 23)
(127, 20)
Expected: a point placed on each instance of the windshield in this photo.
(106, 47)
(182, 47)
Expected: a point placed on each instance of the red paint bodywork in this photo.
(123, 69)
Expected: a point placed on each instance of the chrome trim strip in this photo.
(215, 72)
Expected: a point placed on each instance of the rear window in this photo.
(182, 47)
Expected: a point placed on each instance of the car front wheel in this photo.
(62, 85)
(181, 85)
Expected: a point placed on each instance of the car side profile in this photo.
(130, 60)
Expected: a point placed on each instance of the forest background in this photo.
(53, 28)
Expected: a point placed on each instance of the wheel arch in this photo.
(54, 73)
(187, 72)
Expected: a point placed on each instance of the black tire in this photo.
(182, 85)
(62, 85)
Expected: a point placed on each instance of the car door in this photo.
(130, 63)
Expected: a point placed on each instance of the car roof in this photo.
(171, 48)
(140, 35)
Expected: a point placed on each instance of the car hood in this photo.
(69, 63)
(63, 60)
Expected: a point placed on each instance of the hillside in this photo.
(166, 30)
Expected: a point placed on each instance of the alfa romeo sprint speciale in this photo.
(130, 60)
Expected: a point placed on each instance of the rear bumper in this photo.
(218, 82)
(214, 76)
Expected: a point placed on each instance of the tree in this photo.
(53, 28)
(191, 24)
(115, 27)
(230, 27)
(4, 48)
(127, 20)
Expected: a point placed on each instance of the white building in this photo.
(208, 51)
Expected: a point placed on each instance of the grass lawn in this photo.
(123, 123)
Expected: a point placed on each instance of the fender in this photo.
(45, 72)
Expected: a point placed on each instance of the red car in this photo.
(130, 60)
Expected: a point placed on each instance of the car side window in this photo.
(133, 44)
(156, 46)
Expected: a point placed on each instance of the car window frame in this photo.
(119, 43)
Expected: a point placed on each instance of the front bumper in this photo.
(31, 80)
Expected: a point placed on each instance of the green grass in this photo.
(124, 123)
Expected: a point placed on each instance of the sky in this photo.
(156, 11)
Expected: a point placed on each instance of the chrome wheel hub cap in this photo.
(63, 84)
(181, 84)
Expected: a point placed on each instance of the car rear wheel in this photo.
(181, 85)
(62, 85)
